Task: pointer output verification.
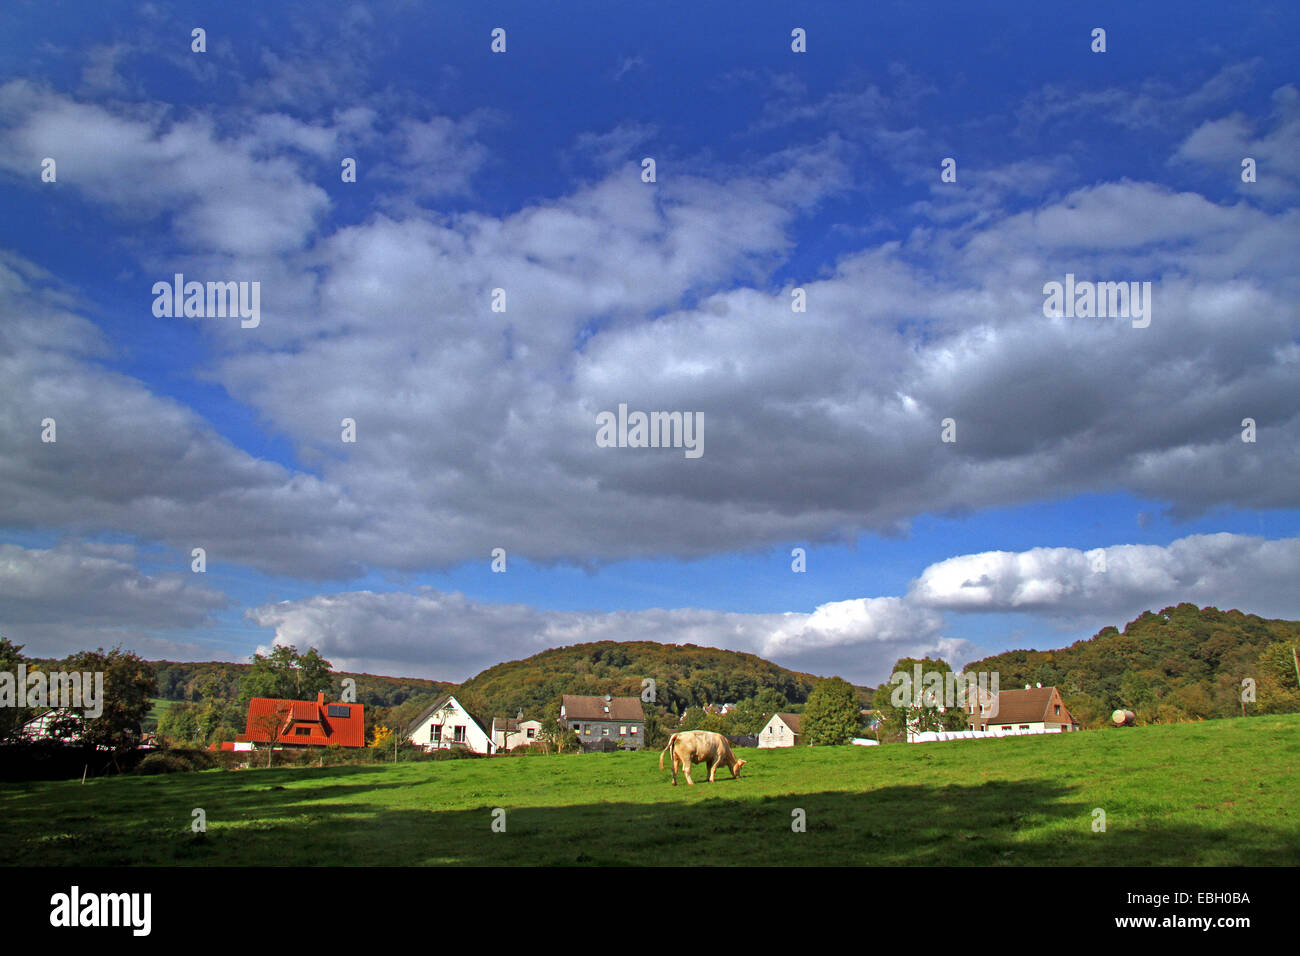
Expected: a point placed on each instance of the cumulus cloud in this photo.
(212, 187)
(476, 428)
(124, 458)
(1120, 581)
(1221, 144)
(84, 594)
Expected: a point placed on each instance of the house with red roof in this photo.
(302, 723)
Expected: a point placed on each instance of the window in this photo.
(1024, 726)
(435, 733)
(587, 731)
(1058, 710)
(460, 733)
(633, 730)
(302, 731)
(532, 732)
(622, 731)
(605, 732)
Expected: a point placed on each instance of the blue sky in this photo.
(522, 170)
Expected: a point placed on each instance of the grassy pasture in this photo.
(1216, 793)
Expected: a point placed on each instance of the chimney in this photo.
(320, 698)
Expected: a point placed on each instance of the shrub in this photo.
(163, 762)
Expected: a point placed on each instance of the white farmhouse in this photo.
(781, 731)
(445, 724)
(1036, 709)
(511, 732)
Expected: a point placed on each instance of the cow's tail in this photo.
(671, 741)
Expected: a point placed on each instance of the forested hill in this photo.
(188, 681)
(685, 675)
(1182, 663)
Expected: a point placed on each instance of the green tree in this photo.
(904, 707)
(1278, 684)
(179, 723)
(656, 732)
(693, 719)
(11, 718)
(129, 683)
(749, 716)
(832, 714)
(559, 736)
(718, 723)
(287, 675)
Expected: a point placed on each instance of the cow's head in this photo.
(735, 771)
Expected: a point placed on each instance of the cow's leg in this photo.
(675, 768)
(686, 769)
(713, 769)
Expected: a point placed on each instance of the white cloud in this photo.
(216, 192)
(77, 595)
(1116, 583)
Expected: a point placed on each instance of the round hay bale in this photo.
(1123, 718)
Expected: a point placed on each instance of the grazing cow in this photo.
(700, 746)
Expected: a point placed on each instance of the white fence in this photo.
(930, 736)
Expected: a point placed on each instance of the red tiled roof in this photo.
(305, 710)
(266, 714)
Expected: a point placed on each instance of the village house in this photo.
(781, 731)
(604, 722)
(302, 723)
(511, 732)
(1036, 709)
(446, 724)
(42, 727)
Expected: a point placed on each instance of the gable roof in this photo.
(790, 720)
(1027, 706)
(438, 705)
(287, 716)
(593, 708)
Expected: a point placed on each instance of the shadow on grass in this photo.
(1036, 822)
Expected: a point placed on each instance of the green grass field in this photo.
(1214, 793)
(158, 708)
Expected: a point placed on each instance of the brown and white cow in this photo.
(700, 746)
